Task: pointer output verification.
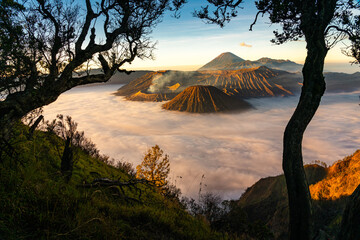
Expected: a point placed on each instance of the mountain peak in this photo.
(224, 59)
(229, 61)
(229, 56)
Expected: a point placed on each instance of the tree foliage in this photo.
(155, 167)
(44, 44)
(66, 128)
(226, 216)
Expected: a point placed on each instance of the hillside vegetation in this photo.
(37, 202)
(267, 201)
(342, 179)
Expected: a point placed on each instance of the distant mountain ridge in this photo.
(205, 99)
(229, 61)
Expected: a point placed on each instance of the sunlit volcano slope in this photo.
(244, 83)
(203, 99)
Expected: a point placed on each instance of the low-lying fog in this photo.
(233, 151)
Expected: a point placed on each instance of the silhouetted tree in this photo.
(322, 23)
(67, 160)
(155, 167)
(43, 43)
(66, 128)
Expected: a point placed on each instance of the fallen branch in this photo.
(81, 225)
(114, 184)
(106, 182)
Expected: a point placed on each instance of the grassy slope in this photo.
(36, 203)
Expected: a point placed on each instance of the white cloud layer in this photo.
(232, 150)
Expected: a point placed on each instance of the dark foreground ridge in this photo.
(205, 99)
(330, 187)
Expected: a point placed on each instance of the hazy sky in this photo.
(233, 151)
(189, 41)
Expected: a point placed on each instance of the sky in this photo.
(188, 43)
(233, 151)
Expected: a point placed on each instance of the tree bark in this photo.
(34, 126)
(67, 160)
(313, 89)
(350, 225)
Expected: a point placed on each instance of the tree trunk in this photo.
(313, 88)
(350, 226)
(67, 160)
(35, 125)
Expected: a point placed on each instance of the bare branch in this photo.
(125, 71)
(348, 33)
(85, 29)
(57, 40)
(104, 63)
(256, 18)
(224, 11)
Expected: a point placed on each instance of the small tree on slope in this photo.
(155, 167)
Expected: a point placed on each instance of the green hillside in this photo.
(37, 203)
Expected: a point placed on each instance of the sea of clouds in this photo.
(232, 151)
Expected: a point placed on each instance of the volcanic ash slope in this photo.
(205, 99)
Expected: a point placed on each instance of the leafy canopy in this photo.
(155, 167)
(46, 44)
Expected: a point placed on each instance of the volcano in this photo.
(235, 77)
(247, 83)
(229, 61)
(205, 99)
(243, 83)
(222, 61)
